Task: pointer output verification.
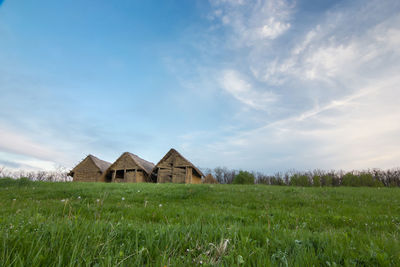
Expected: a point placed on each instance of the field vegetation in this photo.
(317, 178)
(99, 224)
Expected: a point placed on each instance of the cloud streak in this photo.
(236, 85)
(337, 88)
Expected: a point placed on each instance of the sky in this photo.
(264, 85)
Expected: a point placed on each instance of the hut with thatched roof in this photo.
(129, 168)
(174, 168)
(209, 179)
(90, 169)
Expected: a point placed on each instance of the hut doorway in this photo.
(119, 175)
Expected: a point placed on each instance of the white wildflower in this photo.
(138, 191)
(79, 197)
(201, 262)
(160, 205)
(123, 198)
(62, 200)
(14, 199)
(98, 200)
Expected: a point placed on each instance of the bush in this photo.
(364, 179)
(277, 181)
(244, 177)
(326, 180)
(299, 180)
(316, 180)
(350, 179)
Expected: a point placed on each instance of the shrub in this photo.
(350, 179)
(299, 180)
(23, 181)
(244, 177)
(277, 181)
(326, 180)
(316, 180)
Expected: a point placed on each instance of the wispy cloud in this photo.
(237, 85)
(263, 85)
(18, 143)
(337, 87)
(253, 21)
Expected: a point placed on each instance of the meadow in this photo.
(98, 224)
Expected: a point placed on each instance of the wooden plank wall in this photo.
(87, 172)
(132, 171)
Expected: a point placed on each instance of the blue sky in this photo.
(258, 85)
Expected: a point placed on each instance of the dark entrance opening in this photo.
(119, 174)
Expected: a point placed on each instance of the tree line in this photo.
(370, 177)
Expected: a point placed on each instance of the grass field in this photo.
(96, 224)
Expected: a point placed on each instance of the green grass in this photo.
(63, 224)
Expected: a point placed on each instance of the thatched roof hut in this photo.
(209, 179)
(129, 168)
(174, 168)
(90, 169)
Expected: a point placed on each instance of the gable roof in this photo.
(101, 164)
(174, 151)
(147, 166)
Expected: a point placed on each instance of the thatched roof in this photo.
(147, 166)
(101, 164)
(174, 151)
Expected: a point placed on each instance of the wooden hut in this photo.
(209, 179)
(129, 168)
(174, 168)
(91, 169)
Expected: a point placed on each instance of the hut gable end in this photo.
(129, 168)
(125, 162)
(89, 169)
(173, 167)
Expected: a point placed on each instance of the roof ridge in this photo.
(179, 154)
(144, 164)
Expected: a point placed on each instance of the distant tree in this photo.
(316, 180)
(218, 174)
(244, 177)
(299, 180)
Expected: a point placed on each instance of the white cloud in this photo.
(274, 28)
(235, 84)
(338, 91)
(20, 144)
(19, 149)
(253, 21)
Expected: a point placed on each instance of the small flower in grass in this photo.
(187, 250)
(79, 197)
(138, 191)
(14, 199)
(62, 200)
(98, 200)
(160, 205)
(201, 262)
(123, 198)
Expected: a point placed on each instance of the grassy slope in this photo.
(208, 224)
